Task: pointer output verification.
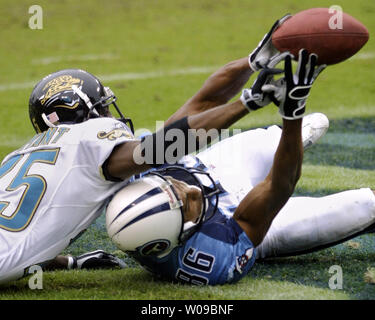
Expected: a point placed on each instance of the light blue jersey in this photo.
(218, 252)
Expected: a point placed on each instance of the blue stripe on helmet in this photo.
(143, 197)
(160, 208)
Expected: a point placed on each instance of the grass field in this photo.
(155, 54)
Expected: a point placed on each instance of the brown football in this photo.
(334, 36)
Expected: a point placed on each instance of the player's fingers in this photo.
(275, 93)
(277, 58)
(119, 262)
(274, 27)
(269, 88)
(264, 77)
(268, 35)
(272, 71)
(288, 69)
(266, 73)
(318, 71)
(277, 89)
(313, 58)
(284, 18)
(301, 67)
(272, 92)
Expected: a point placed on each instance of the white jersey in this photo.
(52, 189)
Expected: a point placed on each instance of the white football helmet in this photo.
(146, 217)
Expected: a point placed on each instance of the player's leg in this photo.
(308, 224)
(244, 160)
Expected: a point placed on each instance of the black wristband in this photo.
(169, 144)
(106, 174)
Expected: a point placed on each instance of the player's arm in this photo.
(217, 90)
(226, 82)
(133, 157)
(193, 131)
(260, 206)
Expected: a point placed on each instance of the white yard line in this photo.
(157, 74)
(364, 56)
(132, 75)
(84, 57)
(123, 76)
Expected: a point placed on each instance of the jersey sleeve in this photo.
(219, 253)
(100, 138)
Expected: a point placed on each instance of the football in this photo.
(333, 35)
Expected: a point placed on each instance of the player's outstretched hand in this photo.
(255, 98)
(263, 53)
(96, 260)
(290, 93)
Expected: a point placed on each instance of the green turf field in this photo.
(155, 54)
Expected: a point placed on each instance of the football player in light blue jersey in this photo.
(207, 220)
(204, 227)
(181, 222)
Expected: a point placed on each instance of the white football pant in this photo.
(305, 223)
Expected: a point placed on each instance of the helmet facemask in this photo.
(189, 227)
(102, 108)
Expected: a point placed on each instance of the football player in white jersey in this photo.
(56, 185)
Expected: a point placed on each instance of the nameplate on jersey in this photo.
(48, 137)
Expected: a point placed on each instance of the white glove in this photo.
(290, 93)
(255, 98)
(265, 50)
(95, 260)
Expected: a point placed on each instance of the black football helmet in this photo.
(70, 96)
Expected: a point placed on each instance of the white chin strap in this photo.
(85, 98)
(47, 122)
